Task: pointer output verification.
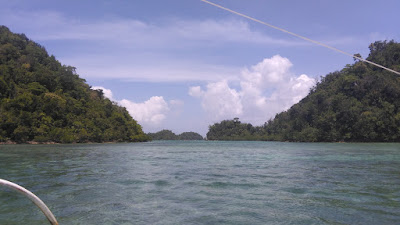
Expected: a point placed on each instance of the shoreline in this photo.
(29, 142)
(115, 142)
(59, 143)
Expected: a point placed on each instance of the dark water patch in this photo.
(228, 185)
(161, 183)
(295, 190)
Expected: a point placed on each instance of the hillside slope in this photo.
(360, 103)
(44, 101)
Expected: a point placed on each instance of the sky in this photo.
(183, 65)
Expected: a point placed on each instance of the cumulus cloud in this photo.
(196, 91)
(150, 113)
(219, 100)
(265, 89)
(267, 73)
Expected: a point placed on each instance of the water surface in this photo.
(181, 182)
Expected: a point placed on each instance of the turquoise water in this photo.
(180, 182)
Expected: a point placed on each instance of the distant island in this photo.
(169, 135)
(360, 103)
(43, 101)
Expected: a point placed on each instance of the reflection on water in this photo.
(200, 182)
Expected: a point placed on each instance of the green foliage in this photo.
(42, 100)
(190, 136)
(169, 135)
(163, 135)
(360, 103)
(232, 130)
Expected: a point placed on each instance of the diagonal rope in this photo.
(299, 36)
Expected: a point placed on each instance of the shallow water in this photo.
(182, 182)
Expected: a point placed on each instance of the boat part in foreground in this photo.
(39, 203)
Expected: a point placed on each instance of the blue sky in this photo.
(183, 64)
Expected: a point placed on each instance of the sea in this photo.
(203, 182)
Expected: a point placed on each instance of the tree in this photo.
(359, 103)
(357, 57)
(42, 100)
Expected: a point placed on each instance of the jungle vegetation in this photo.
(44, 101)
(360, 103)
(169, 135)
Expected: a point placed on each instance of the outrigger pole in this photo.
(39, 203)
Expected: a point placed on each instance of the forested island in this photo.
(169, 135)
(360, 103)
(42, 100)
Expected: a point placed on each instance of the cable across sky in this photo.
(301, 37)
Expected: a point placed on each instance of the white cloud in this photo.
(125, 48)
(267, 73)
(219, 100)
(301, 86)
(150, 113)
(172, 33)
(176, 102)
(132, 49)
(196, 91)
(265, 89)
(156, 69)
(52, 25)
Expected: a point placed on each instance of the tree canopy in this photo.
(360, 103)
(169, 135)
(42, 100)
(190, 136)
(231, 130)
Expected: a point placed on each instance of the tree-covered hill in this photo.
(163, 135)
(360, 103)
(169, 135)
(44, 101)
(190, 136)
(232, 130)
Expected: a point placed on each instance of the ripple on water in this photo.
(205, 183)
